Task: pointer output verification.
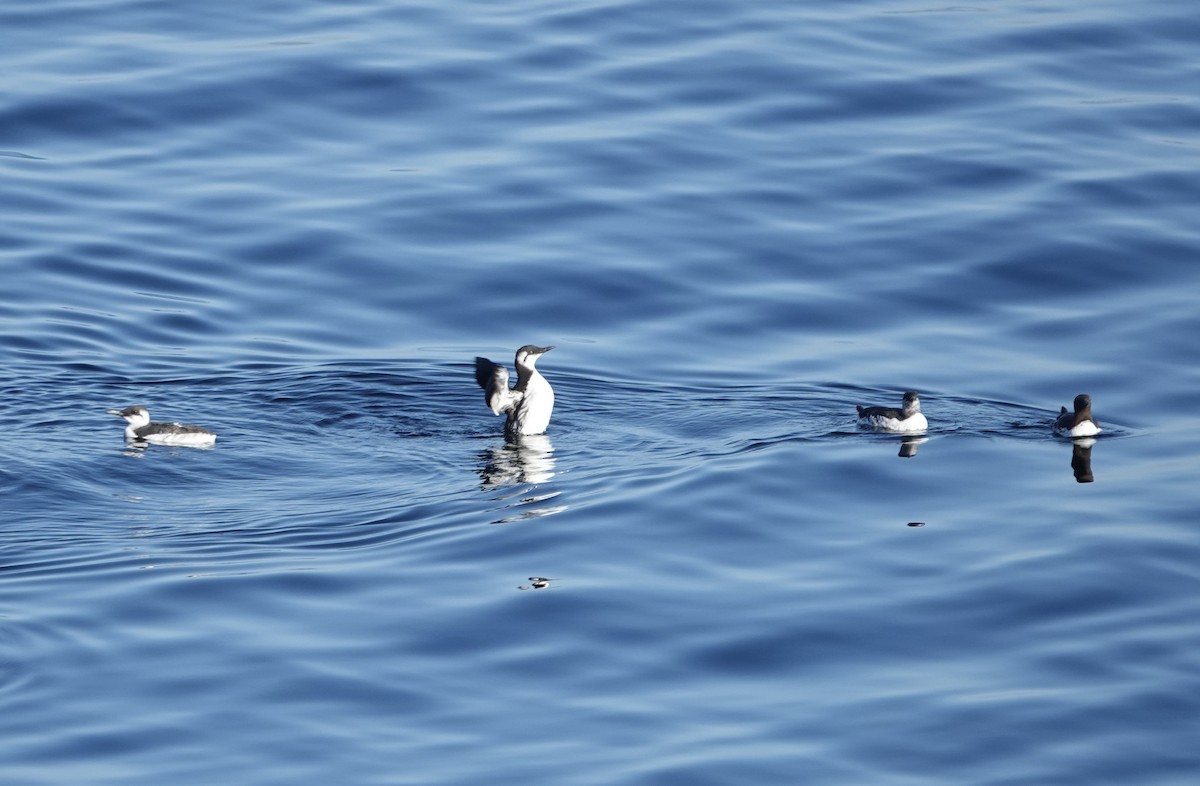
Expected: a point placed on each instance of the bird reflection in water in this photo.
(908, 446)
(1081, 459)
(536, 582)
(521, 460)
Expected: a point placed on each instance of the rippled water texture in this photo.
(297, 224)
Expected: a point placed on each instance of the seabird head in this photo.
(912, 403)
(135, 416)
(528, 354)
(1083, 404)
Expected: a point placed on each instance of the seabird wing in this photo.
(485, 370)
(168, 429)
(493, 378)
(880, 412)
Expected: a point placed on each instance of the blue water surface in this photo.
(297, 223)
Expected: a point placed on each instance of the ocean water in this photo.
(298, 223)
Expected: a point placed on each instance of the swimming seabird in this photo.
(529, 404)
(908, 419)
(1079, 423)
(140, 429)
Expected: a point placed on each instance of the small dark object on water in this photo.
(916, 523)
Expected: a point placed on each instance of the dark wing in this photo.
(485, 370)
(162, 429)
(880, 412)
(493, 378)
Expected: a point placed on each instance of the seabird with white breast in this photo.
(529, 404)
(1079, 423)
(140, 429)
(908, 419)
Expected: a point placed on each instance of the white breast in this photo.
(535, 407)
(1087, 428)
(909, 425)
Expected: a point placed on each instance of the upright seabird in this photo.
(1079, 423)
(908, 419)
(140, 429)
(529, 404)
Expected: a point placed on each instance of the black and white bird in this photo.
(529, 404)
(1079, 423)
(140, 429)
(907, 419)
